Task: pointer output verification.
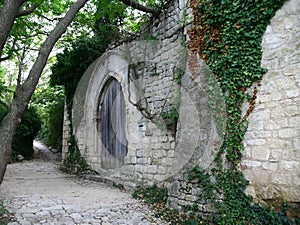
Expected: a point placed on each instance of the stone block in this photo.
(161, 170)
(256, 125)
(138, 168)
(249, 135)
(266, 193)
(290, 70)
(263, 134)
(271, 166)
(127, 160)
(159, 153)
(247, 153)
(150, 169)
(249, 174)
(291, 7)
(291, 21)
(273, 41)
(250, 163)
(261, 176)
(133, 160)
(294, 121)
(292, 93)
(275, 155)
(295, 58)
(142, 161)
(271, 125)
(291, 193)
(296, 179)
(143, 153)
(287, 133)
(291, 111)
(296, 143)
(289, 165)
(191, 198)
(282, 178)
(260, 153)
(168, 161)
(278, 25)
(278, 112)
(127, 169)
(256, 142)
(159, 177)
(275, 143)
(290, 154)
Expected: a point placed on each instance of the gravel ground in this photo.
(37, 192)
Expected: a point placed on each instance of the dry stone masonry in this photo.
(145, 69)
(272, 143)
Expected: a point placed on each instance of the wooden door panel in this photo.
(113, 126)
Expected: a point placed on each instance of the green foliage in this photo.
(171, 116)
(3, 110)
(29, 31)
(232, 32)
(75, 59)
(152, 195)
(72, 63)
(178, 73)
(25, 133)
(55, 122)
(4, 219)
(74, 162)
(235, 207)
(49, 102)
(233, 53)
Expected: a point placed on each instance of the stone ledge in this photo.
(114, 182)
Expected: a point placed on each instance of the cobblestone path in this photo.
(36, 192)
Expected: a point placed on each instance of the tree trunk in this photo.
(24, 92)
(8, 14)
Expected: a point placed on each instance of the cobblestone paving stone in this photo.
(36, 192)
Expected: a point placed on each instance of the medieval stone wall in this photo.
(272, 144)
(145, 69)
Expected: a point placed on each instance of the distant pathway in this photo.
(38, 193)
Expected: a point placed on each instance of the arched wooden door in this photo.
(113, 126)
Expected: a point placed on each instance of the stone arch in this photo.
(111, 65)
(272, 158)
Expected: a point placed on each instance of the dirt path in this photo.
(38, 193)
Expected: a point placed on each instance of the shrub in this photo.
(25, 133)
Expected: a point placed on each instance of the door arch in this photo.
(113, 126)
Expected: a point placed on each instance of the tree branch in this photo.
(8, 14)
(10, 53)
(27, 11)
(140, 7)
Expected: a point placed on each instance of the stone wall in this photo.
(145, 68)
(272, 143)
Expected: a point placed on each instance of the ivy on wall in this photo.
(227, 35)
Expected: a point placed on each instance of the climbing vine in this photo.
(227, 35)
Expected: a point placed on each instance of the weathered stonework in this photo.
(66, 134)
(272, 152)
(145, 70)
